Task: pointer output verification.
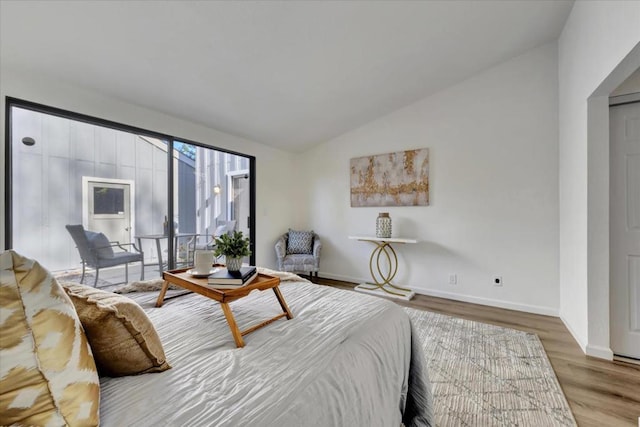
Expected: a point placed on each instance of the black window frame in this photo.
(171, 139)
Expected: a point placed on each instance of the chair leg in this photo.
(83, 268)
(95, 282)
(126, 273)
(142, 268)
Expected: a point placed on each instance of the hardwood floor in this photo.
(601, 393)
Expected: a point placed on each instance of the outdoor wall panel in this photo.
(144, 154)
(59, 197)
(126, 148)
(75, 193)
(144, 202)
(106, 145)
(27, 221)
(106, 170)
(55, 136)
(83, 168)
(159, 159)
(58, 171)
(158, 194)
(82, 139)
(126, 172)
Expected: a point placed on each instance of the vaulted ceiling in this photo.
(284, 73)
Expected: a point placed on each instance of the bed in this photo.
(346, 359)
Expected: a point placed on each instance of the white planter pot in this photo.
(234, 264)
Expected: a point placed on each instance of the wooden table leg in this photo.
(163, 291)
(237, 335)
(282, 302)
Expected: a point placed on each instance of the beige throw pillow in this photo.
(122, 338)
(47, 373)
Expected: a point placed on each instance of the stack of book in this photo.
(225, 279)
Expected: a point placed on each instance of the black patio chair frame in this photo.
(92, 255)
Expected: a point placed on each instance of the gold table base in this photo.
(384, 283)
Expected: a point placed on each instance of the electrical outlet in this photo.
(453, 279)
(497, 280)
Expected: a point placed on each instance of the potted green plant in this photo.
(234, 247)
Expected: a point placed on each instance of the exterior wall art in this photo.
(393, 179)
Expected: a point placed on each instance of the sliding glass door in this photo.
(207, 199)
(134, 186)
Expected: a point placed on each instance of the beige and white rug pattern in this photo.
(486, 375)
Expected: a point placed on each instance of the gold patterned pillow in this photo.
(47, 372)
(122, 338)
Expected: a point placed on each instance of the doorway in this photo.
(239, 200)
(624, 216)
(107, 206)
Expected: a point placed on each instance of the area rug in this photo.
(486, 375)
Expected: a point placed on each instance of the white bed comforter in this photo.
(346, 359)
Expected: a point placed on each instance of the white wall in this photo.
(630, 85)
(596, 38)
(493, 143)
(274, 189)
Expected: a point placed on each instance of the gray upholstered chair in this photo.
(97, 251)
(298, 262)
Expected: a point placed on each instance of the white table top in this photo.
(383, 239)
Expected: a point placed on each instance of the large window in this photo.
(130, 184)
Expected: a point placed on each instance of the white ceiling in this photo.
(287, 74)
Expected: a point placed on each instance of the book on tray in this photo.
(225, 279)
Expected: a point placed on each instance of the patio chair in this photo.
(97, 251)
(195, 244)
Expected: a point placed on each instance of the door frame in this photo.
(632, 98)
(132, 204)
(590, 327)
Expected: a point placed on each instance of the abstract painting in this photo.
(393, 179)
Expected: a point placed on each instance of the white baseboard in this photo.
(527, 308)
(599, 352)
(583, 346)
(546, 311)
(590, 350)
(351, 279)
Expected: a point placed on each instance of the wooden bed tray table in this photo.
(262, 282)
